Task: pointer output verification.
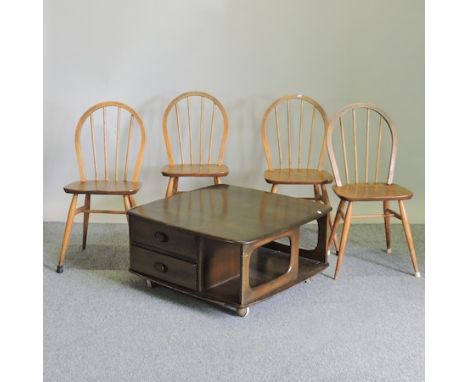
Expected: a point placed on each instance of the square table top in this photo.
(232, 213)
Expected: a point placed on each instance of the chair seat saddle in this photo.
(372, 191)
(104, 187)
(198, 170)
(297, 176)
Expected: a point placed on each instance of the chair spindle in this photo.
(91, 122)
(367, 145)
(190, 129)
(356, 172)
(128, 147)
(312, 128)
(104, 130)
(289, 134)
(117, 131)
(178, 131)
(300, 135)
(278, 137)
(343, 144)
(200, 154)
(379, 144)
(211, 133)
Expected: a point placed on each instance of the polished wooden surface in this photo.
(102, 187)
(198, 154)
(232, 213)
(218, 244)
(297, 176)
(372, 192)
(354, 184)
(196, 170)
(111, 179)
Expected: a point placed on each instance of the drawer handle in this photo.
(160, 267)
(161, 237)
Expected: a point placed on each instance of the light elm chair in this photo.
(200, 126)
(364, 171)
(296, 125)
(111, 175)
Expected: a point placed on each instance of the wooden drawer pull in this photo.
(161, 237)
(160, 267)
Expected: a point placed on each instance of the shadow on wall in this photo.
(245, 117)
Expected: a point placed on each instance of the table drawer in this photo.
(163, 267)
(160, 236)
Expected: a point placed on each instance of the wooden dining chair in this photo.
(361, 132)
(197, 121)
(110, 125)
(297, 125)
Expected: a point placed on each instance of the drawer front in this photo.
(159, 236)
(163, 267)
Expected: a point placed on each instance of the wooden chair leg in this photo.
(344, 239)
(274, 188)
(86, 219)
(409, 238)
(386, 206)
(335, 225)
(176, 185)
(133, 202)
(170, 187)
(127, 204)
(66, 234)
(326, 200)
(217, 180)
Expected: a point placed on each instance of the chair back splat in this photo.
(366, 144)
(110, 135)
(198, 123)
(296, 126)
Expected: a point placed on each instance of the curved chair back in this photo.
(299, 125)
(111, 128)
(366, 143)
(197, 121)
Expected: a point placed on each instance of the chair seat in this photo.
(372, 191)
(297, 176)
(104, 187)
(195, 170)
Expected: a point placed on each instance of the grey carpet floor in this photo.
(101, 323)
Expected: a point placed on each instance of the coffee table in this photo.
(219, 244)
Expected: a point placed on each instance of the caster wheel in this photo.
(150, 284)
(59, 269)
(308, 281)
(243, 312)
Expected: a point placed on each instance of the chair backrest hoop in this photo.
(174, 105)
(337, 118)
(264, 124)
(88, 114)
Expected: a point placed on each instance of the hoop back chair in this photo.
(109, 175)
(197, 121)
(365, 128)
(297, 125)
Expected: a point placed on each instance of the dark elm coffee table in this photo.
(218, 244)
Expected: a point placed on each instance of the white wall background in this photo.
(246, 53)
